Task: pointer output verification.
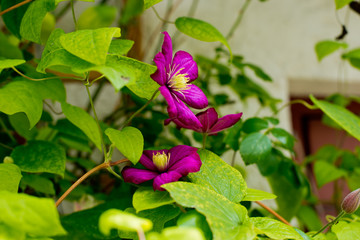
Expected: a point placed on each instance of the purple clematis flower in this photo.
(211, 124)
(174, 75)
(164, 166)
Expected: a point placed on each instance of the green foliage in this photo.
(194, 219)
(326, 172)
(257, 195)
(20, 211)
(13, 18)
(254, 125)
(94, 17)
(8, 63)
(255, 147)
(345, 230)
(150, 3)
(341, 3)
(40, 156)
(129, 141)
(38, 183)
(325, 48)
(218, 176)
(200, 30)
(146, 198)
(177, 233)
(10, 176)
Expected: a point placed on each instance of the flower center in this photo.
(179, 82)
(161, 160)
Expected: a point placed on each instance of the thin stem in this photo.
(141, 234)
(7, 130)
(342, 213)
(306, 104)
(86, 175)
(233, 159)
(52, 109)
(14, 7)
(96, 94)
(158, 16)
(42, 79)
(238, 19)
(103, 146)
(142, 108)
(62, 11)
(73, 14)
(273, 213)
(6, 146)
(204, 140)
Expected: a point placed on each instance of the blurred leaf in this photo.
(131, 10)
(8, 50)
(13, 18)
(129, 141)
(177, 233)
(8, 63)
(269, 165)
(346, 230)
(254, 124)
(325, 48)
(258, 72)
(38, 183)
(286, 139)
(200, 30)
(146, 198)
(326, 172)
(217, 175)
(31, 23)
(7, 233)
(309, 217)
(20, 211)
(31, 97)
(353, 179)
(210, 63)
(48, 25)
(257, 195)
(99, 16)
(341, 3)
(233, 136)
(346, 119)
(226, 219)
(193, 218)
(274, 228)
(114, 218)
(150, 3)
(10, 176)
(354, 57)
(80, 118)
(349, 161)
(255, 147)
(40, 156)
(90, 45)
(21, 125)
(328, 153)
(120, 46)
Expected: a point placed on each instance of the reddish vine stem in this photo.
(273, 213)
(15, 6)
(87, 174)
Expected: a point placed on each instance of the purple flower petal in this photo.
(186, 165)
(179, 152)
(172, 108)
(179, 124)
(225, 122)
(193, 96)
(146, 160)
(207, 118)
(166, 177)
(160, 75)
(167, 51)
(138, 176)
(184, 60)
(185, 115)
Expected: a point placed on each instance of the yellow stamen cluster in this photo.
(161, 160)
(179, 82)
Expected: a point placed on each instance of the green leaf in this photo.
(9, 49)
(38, 183)
(354, 57)
(255, 147)
(200, 30)
(129, 141)
(13, 18)
(99, 16)
(150, 3)
(286, 139)
(233, 136)
(275, 229)
(146, 198)
(8, 63)
(7, 233)
(31, 97)
(10, 176)
(40, 156)
(21, 211)
(325, 48)
(326, 172)
(346, 119)
(217, 175)
(254, 124)
(120, 46)
(159, 216)
(309, 217)
(226, 219)
(58, 1)
(259, 72)
(114, 218)
(177, 233)
(346, 231)
(21, 124)
(341, 3)
(80, 118)
(130, 11)
(31, 23)
(257, 195)
(90, 45)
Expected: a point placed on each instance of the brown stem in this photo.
(83, 177)
(15, 6)
(273, 213)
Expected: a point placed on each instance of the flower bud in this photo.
(351, 202)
